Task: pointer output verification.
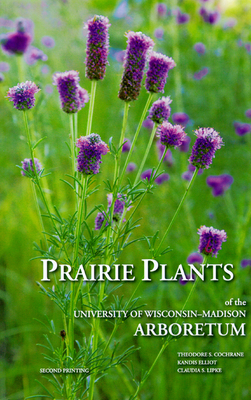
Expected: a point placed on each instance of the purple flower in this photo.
(119, 206)
(211, 240)
(194, 258)
(171, 135)
(28, 169)
(248, 47)
(72, 96)
(34, 54)
(182, 18)
(48, 41)
(248, 113)
(97, 47)
(157, 72)
(160, 110)
(200, 48)
(146, 174)
(138, 46)
(159, 33)
(187, 176)
(99, 220)
(126, 146)
(162, 178)
(131, 167)
(184, 147)
(180, 118)
(161, 9)
(245, 263)
(90, 150)
(201, 73)
(205, 146)
(23, 95)
(242, 128)
(219, 183)
(148, 124)
(211, 17)
(4, 67)
(17, 42)
(119, 55)
(168, 159)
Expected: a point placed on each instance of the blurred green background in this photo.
(218, 100)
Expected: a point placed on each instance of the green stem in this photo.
(178, 209)
(146, 153)
(136, 136)
(121, 141)
(91, 107)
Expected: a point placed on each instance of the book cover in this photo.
(125, 201)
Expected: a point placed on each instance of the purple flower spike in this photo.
(126, 146)
(90, 150)
(161, 9)
(180, 118)
(162, 178)
(28, 168)
(194, 258)
(157, 73)
(171, 135)
(205, 146)
(16, 42)
(131, 167)
(248, 113)
(200, 48)
(99, 220)
(148, 124)
(160, 110)
(97, 47)
(245, 263)
(201, 74)
(182, 18)
(211, 240)
(220, 183)
(72, 96)
(242, 128)
(138, 46)
(23, 95)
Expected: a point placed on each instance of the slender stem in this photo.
(146, 153)
(20, 68)
(121, 141)
(35, 172)
(72, 145)
(136, 136)
(91, 107)
(178, 209)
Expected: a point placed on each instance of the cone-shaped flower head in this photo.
(171, 135)
(205, 146)
(16, 42)
(211, 240)
(160, 110)
(138, 46)
(97, 47)
(23, 95)
(90, 150)
(72, 96)
(157, 73)
(28, 169)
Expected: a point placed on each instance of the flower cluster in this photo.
(211, 17)
(160, 110)
(138, 46)
(28, 169)
(171, 135)
(23, 95)
(157, 73)
(72, 96)
(242, 128)
(16, 42)
(211, 240)
(118, 210)
(97, 47)
(205, 146)
(90, 150)
(220, 183)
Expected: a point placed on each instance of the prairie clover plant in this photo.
(78, 240)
